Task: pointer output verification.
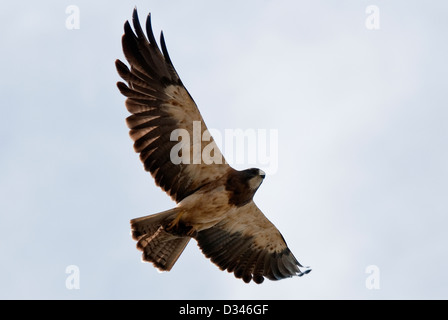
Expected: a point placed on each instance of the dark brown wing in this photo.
(162, 112)
(249, 245)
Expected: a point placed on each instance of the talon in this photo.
(175, 223)
(192, 232)
(178, 227)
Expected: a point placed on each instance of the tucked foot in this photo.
(179, 228)
(174, 225)
(192, 232)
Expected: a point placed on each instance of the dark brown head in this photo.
(243, 185)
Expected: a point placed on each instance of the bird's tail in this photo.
(159, 246)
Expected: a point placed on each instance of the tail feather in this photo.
(158, 246)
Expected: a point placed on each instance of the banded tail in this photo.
(159, 246)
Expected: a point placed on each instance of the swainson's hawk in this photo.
(214, 201)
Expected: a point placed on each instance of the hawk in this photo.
(214, 201)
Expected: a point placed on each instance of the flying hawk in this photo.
(214, 201)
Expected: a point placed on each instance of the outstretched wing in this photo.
(249, 245)
(165, 124)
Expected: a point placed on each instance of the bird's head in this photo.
(242, 185)
(254, 177)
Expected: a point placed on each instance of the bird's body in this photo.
(214, 201)
(206, 207)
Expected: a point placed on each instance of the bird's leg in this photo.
(175, 223)
(192, 232)
(179, 228)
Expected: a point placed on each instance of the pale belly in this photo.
(204, 210)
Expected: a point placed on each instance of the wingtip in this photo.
(123, 88)
(162, 40)
(120, 64)
(149, 31)
(302, 273)
(127, 28)
(164, 49)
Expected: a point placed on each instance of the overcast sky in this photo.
(359, 107)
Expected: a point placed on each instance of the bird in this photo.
(214, 201)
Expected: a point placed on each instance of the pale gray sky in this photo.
(362, 145)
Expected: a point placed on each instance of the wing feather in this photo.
(249, 245)
(159, 104)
